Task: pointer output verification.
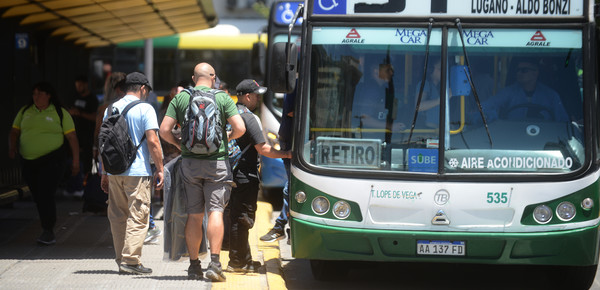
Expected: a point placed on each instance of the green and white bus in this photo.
(461, 131)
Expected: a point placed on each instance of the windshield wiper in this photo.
(412, 126)
(468, 74)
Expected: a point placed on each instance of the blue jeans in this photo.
(282, 220)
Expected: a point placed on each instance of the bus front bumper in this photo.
(569, 248)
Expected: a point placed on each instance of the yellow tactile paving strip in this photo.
(270, 276)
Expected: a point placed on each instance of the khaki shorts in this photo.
(207, 184)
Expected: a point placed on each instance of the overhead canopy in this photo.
(103, 22)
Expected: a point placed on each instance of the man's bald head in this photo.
(204, 74)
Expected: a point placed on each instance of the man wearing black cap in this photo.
(244, 195)
(129, 192)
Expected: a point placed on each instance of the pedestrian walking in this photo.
(129, 193)
(38, 135)
(207, 176)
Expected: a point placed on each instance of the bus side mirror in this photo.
(282, 78)
(257, 60)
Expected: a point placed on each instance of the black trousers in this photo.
(242, 214)
(42, 176)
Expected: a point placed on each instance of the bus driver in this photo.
(526, 98)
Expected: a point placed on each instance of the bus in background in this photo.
(175, 57)
(272, 171)
(446, 132)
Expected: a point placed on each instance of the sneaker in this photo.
(215, 273)
(47, 238)
(250, 267)
(138, 269)
(195, 272)
(152, 236)
(273, 235)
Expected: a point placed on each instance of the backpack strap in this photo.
(245, 149)
(243, 109)
(125, 110)
(129, 106)
(189, 90)
(59, 112)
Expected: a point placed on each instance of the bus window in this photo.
(530, 98)
(367, 94)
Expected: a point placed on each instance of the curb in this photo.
(271, 276)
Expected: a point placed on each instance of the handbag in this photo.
(94, 198)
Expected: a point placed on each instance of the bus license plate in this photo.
(441, 248)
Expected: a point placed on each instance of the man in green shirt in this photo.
(207, 177)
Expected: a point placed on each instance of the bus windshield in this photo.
(381, 99)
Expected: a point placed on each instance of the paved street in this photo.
(83, 256)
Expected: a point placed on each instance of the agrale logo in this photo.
(538, 39)
(353, 37)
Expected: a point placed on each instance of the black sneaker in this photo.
(215, 273)
(250, 267)
(195, 271)
(273, 235)
(138, 269)
(47, 238)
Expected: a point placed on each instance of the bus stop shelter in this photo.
(50, 40)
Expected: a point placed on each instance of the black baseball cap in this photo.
(249, 86)
(136, 78)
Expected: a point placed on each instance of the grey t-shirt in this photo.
(248, 165)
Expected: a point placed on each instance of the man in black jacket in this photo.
(244, 195)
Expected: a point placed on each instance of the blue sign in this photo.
(328, 7)
(21, 41)
(423, 160)
(285, 11)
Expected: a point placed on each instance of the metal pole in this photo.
(149, 60)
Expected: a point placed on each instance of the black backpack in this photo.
(233, 148)
(115, 145)
(202, 132)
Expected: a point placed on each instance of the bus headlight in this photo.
(300, 196)
(587, 204)
(565, 211)
(542, 214)
(320, 205)
(341, 209)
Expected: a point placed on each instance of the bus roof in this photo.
(225, 37)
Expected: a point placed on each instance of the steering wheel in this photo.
(534, 111)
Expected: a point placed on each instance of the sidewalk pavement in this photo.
(83, 257)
